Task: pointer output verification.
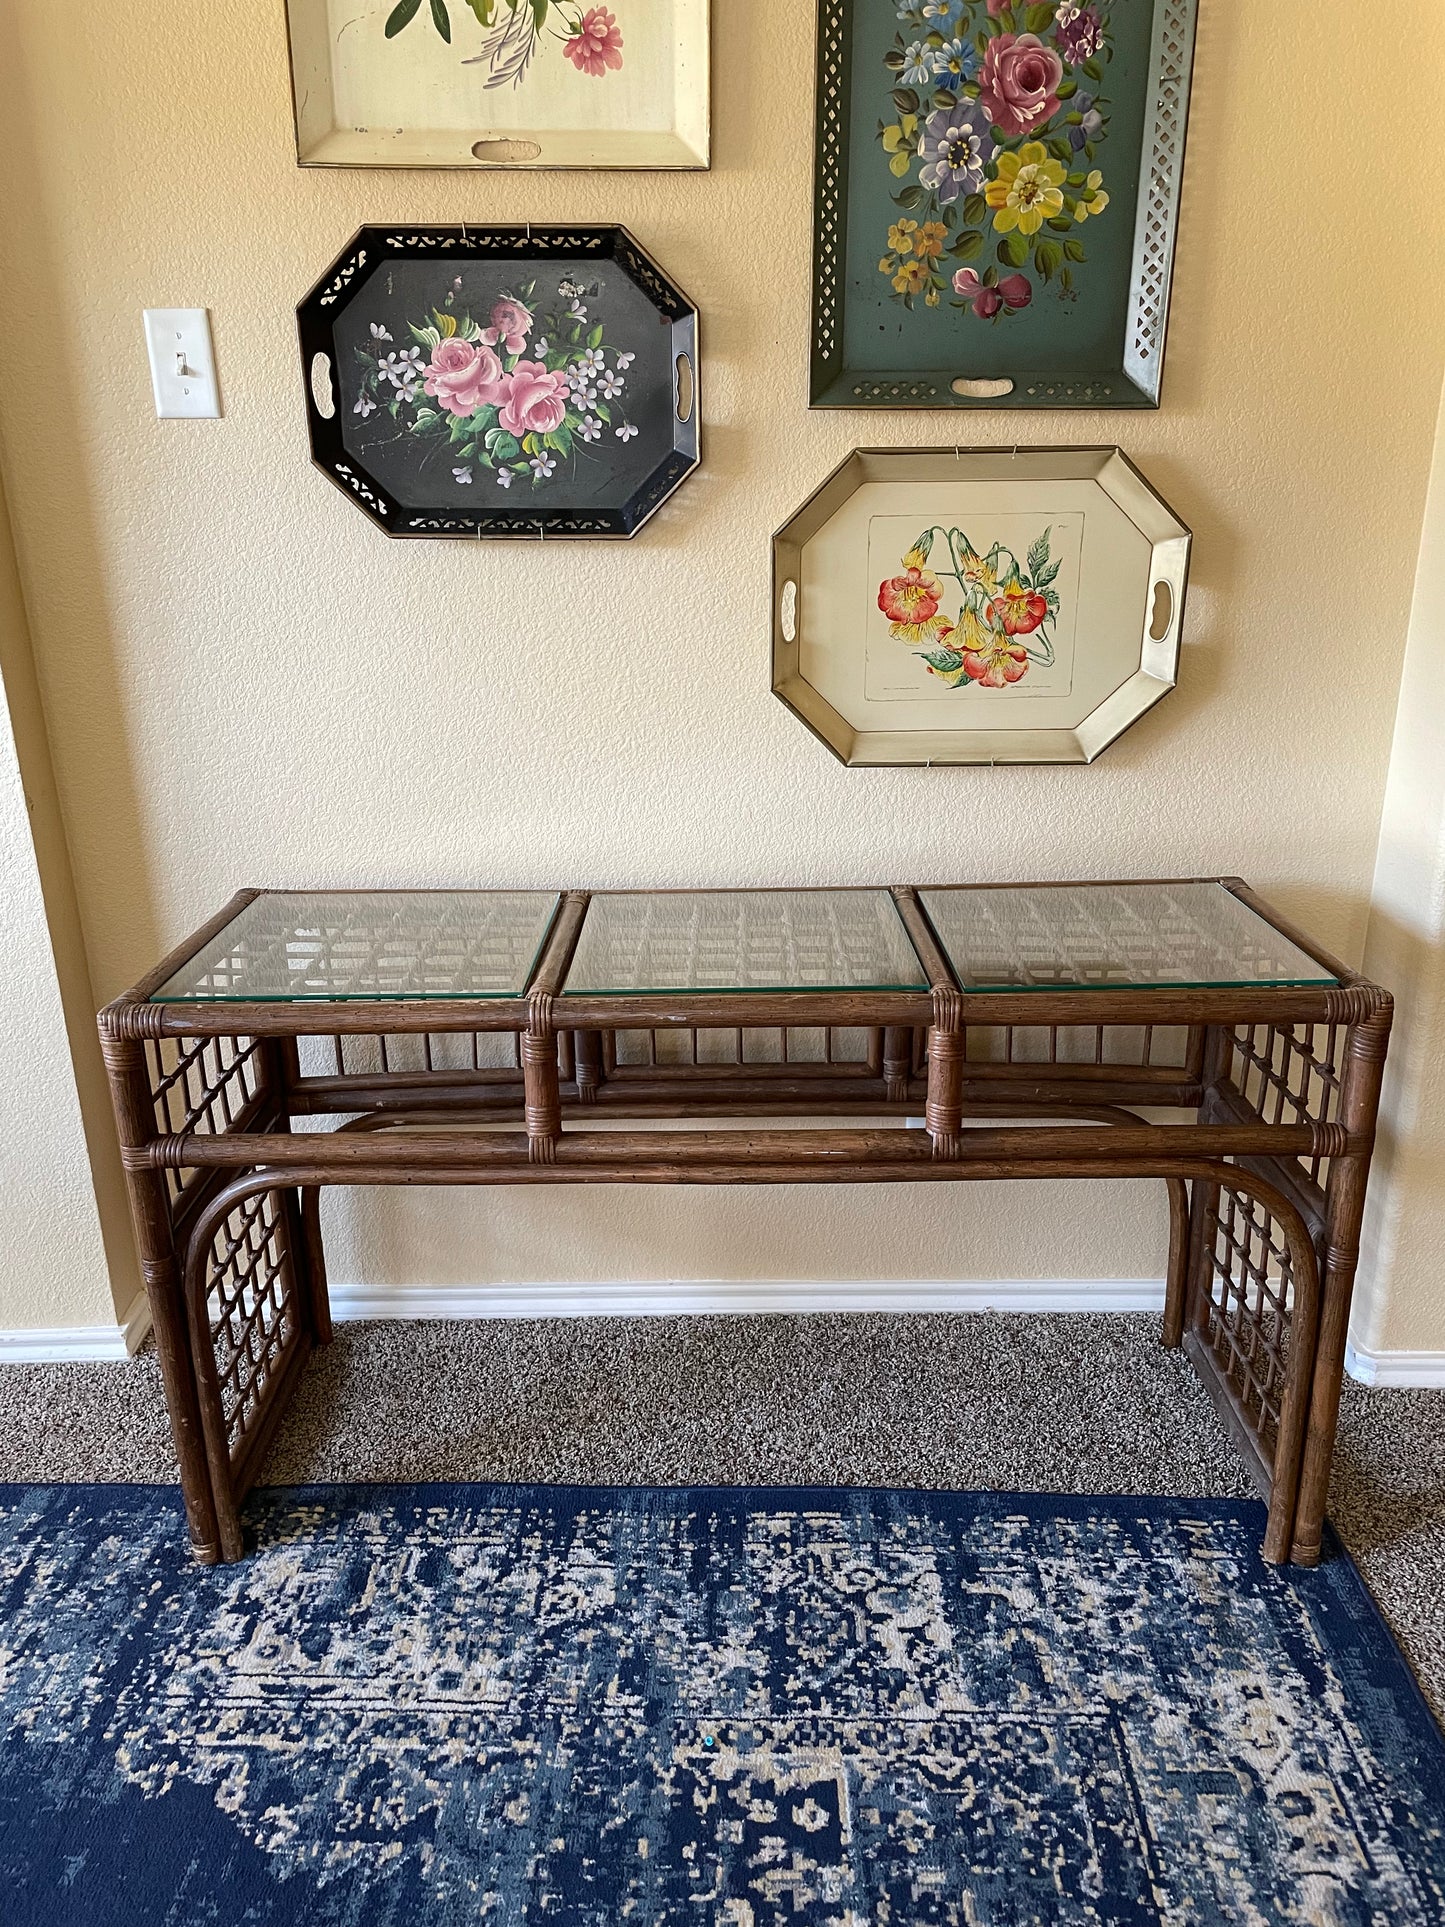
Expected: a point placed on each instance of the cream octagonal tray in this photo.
(978, 605)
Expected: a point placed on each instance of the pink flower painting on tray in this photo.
(977, 620)
(508, 383)
(596, 45)
(514, 32)
(997, 118)
(521, 397)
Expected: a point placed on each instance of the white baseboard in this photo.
(1394, 1368)
(660, 1298)
(630, 1299)
(633, 1299)
(53, 1344)
(351, 1304)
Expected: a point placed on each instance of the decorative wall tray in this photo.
(997, 187)
(978, 605)
(511, 382)
(500, 83)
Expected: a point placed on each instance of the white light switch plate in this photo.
(183, 363)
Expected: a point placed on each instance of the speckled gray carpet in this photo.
(1077, 1403)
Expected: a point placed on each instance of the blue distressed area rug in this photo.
(449, 1704)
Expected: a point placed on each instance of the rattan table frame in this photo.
(1266, 1179)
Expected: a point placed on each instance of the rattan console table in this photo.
(501, 1037)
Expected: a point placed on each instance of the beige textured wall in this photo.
(53, 1268)
(247, 683)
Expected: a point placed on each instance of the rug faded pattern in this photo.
(448, 1704)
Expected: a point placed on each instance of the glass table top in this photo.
(339, 946)
(748, 940)
(1112, 935)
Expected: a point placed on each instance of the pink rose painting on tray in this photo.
(978, 620)
(463, 376)
(515, 31)
(997, 119)
(514, 397)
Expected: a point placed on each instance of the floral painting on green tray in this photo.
(996, 133)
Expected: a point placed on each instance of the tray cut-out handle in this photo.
(497, 152)
(322, 393)
(981, 388)
(788, 611)
(1161, 610)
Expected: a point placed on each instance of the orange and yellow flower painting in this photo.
(976, 618)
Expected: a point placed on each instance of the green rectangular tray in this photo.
(1091, 332)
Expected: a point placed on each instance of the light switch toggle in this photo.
(183, 362)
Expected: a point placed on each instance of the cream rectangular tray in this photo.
(507, 94)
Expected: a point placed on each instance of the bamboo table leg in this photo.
(947, 1043)
(150, 1209)
(588, 1061)
(312, 1260)
(1344, 1211)
(897, 1063)
(1176, 1282)
(282, 1059)
(541, 1087)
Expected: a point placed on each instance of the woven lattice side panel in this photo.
(252, 1310)
(200, 1085)
(1290, 1074)
(1247, 1313)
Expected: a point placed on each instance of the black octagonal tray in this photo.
(501, 382)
